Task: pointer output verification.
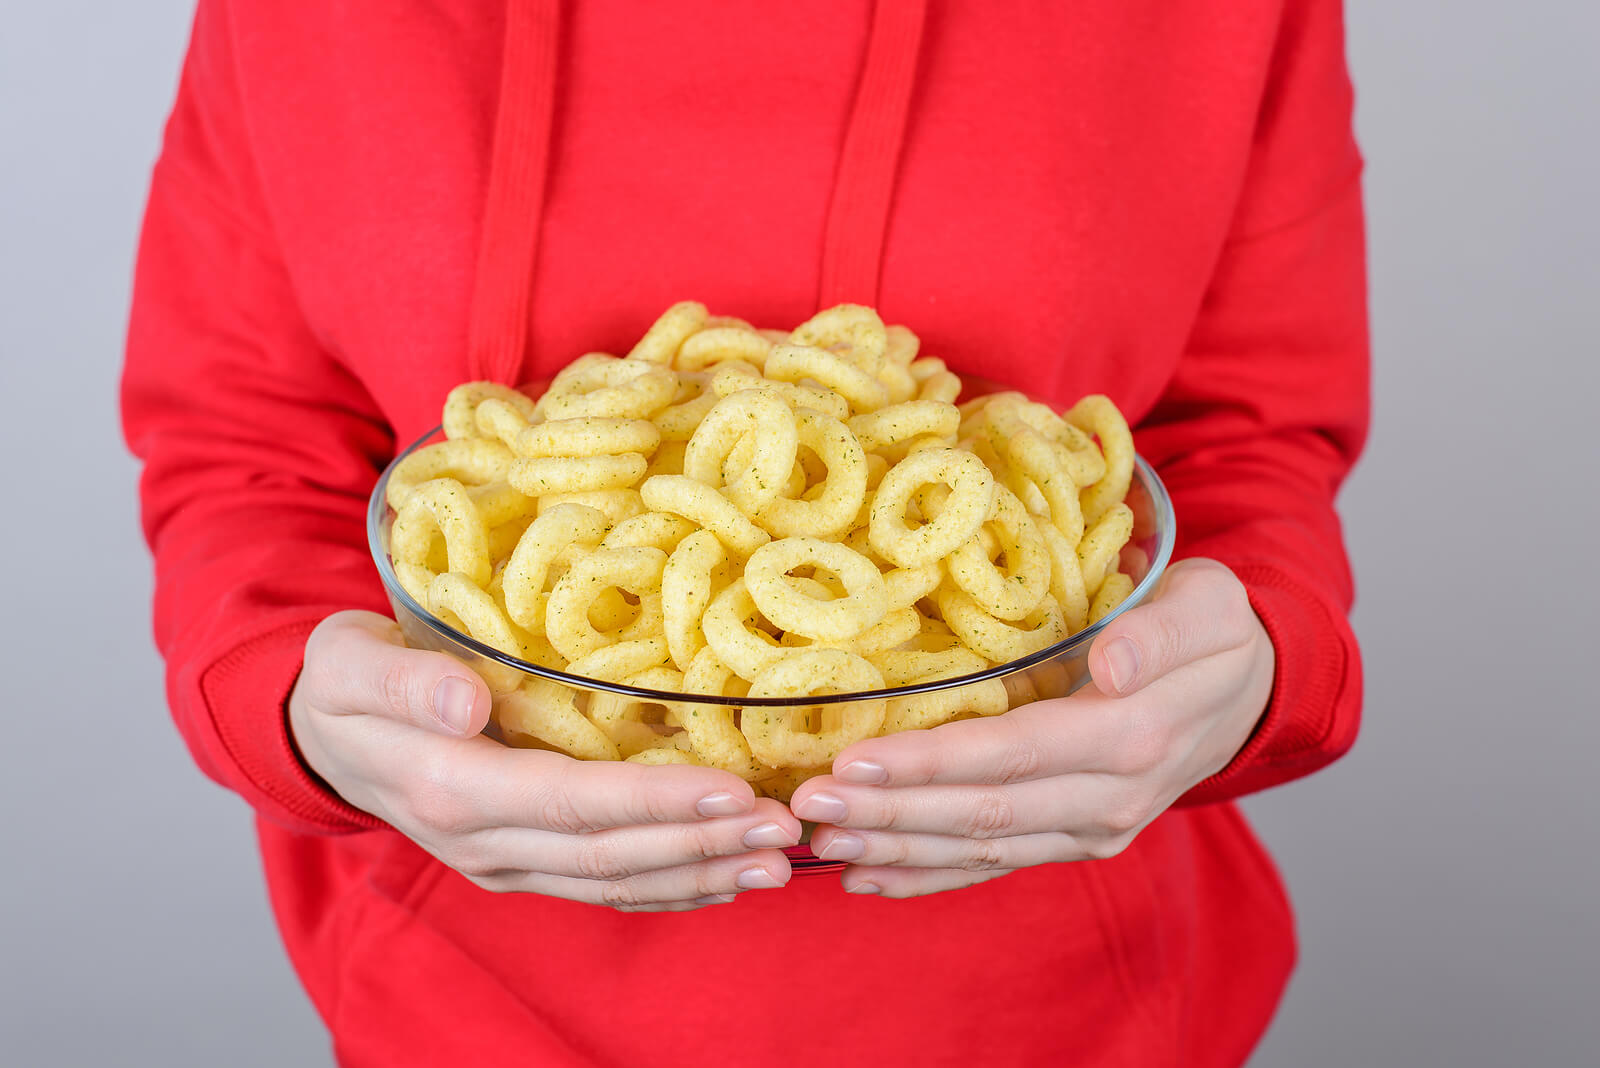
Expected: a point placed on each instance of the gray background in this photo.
(1445, 872)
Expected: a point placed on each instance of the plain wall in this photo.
(1444, 873)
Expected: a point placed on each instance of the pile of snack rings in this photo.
(748, 512)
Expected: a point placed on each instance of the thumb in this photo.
(1200, 608)
(364, 668)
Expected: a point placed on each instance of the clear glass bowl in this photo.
(1055, 671)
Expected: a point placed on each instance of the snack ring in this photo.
(659, 530)
(779, 738)
(1066, 578)
(459, 601)
(720, 344)
(920, 711)
(695, 397)
(630, 722)
(544, 475)
(442, 505)
(470, 461)
(998, 639)
(767, 425)
(902, 422)
(548, 712)
(855, 326)
(660, 343)
(614, 663)
(461, 407)
(699, 503)
(971, 498)
(1098, 416)
(1101, 545)
(1113, 591)
(712, 731)
(526, 572)
(828, 511)
(1013, 592)
(604, 386)
(791, 363)
(733, 377)
(686, 593)
(636, 570)
(730, 630)
(865, 601)
(587, 436)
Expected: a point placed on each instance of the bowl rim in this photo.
(378, 510)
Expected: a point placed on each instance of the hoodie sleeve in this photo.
(1268, 409)
(259, 451)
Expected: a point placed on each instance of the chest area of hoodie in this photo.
(1061, 193)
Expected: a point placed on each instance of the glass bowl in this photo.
(1054, 671)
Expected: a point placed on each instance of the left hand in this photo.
(1179, 684)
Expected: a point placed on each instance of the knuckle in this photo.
(710, 880)
(554, 805)
(1170, 640)
(653, 805)
(598, 859)
(880, 809)
(560, 813)
(898, 850)
(993, 816)
(1021, 760)
(703, 844)
(394, 687)
(983, 855)
(620, 895)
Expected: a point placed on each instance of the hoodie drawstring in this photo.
(508, 250)
(863, 186)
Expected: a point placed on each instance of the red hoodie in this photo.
(362, 203)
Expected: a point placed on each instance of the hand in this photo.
(1179, 684)
(395, 732)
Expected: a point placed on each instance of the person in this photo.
(359, 205)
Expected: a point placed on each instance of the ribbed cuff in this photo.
(1314, 710)
(246, 694)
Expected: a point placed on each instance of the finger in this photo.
(1200, 609)
(553, 792)
(763, 870)
(356, 663)
(911, 882)
(893, 849)
(626, 851)
(1084, 805)
(1086, 732)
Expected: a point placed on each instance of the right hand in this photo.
(395, 732)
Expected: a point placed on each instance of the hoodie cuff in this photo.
(246, 693)
(1313, 713)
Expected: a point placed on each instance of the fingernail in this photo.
(721, 804)
(843, 847)
(864, 888)
(821, 808)
(757, 879)
(452, 703)
(1122, 660)
(715, 899)
(864, 772)
(768, 836)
